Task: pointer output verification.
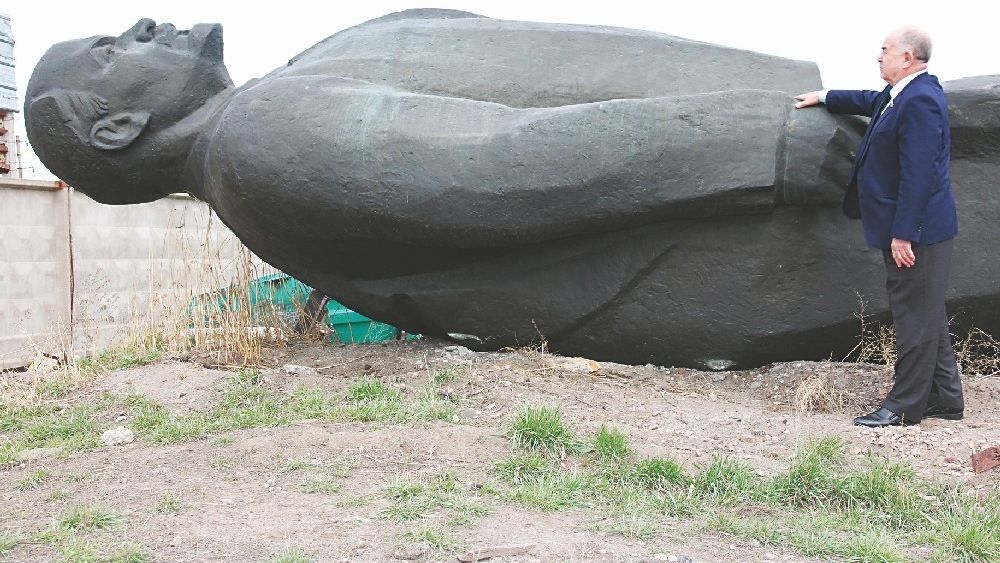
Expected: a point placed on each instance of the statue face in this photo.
(95, 107)
(153, 68)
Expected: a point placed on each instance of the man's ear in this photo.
(118, 131)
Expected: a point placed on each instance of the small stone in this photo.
(43, 364)
(118, 436)
(293, 369)
(35, 454)
(661, 557)
(411, 552)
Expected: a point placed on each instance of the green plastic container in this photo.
(289, 296)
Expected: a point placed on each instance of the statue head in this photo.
(106, 114)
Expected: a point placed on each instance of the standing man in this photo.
(900, 188)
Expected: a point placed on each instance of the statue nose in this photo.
(142, 31)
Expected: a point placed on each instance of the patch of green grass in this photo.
(290, 465)
(522, 467)
(70, 429)
(57, 385)
(246, 403)
(680, 503)
(370, 400)
(371, 389)
(767, 531)
(870, 547)
(355, 501)
(291, 555)
(223, 440)
(16, 417)
(633, 515)
(727, 481)
(32, 480)
(128, 553)
(58, 494)
(76, 549)
(158, 425)
(324, 485)
(810, 479)
(342, 466)
(541, 429)
(610, 444)
(8, 541)
(434, 538)
(169, 504)
(121, 357)
(412, 500)
(445, 375)
(969, 531)
(658, 473)
(429, 405)
(86, 517)
(312, 403)
(557, 491)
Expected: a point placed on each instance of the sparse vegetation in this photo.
(86, 517)
(290, 465)
(823, 505)
(827, 503)
(541, 429)
(434, 538)
(291, 555)
(33, 480)
(325, 485)
(169, 504)
(8, 541)
(413, 500)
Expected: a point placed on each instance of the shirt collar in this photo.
(903, 82)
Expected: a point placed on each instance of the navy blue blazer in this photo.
(900, 185)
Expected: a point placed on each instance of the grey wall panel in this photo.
(34, 274)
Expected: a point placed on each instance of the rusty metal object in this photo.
(986, 459)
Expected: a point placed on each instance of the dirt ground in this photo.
(238, 499)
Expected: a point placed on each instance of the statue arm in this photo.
(383, 164)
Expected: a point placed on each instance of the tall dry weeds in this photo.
(201, 297)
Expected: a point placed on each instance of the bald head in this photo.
(904, 52)
(915, 40)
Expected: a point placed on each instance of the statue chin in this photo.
(102, 194)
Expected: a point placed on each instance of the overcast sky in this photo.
(843, 37)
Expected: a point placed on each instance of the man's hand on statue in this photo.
(902, 253)
(807, 99)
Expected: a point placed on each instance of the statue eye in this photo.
(104, 54)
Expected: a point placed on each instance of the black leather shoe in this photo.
(947, 413)
(879, 418)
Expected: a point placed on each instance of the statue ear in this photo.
(119, 130)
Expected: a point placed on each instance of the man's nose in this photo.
(142, 32)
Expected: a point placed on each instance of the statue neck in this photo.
(185, 143)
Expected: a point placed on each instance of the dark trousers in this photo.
(925, 370)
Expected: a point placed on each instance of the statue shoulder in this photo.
(283, 122)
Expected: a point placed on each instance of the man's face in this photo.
(149, 67)
(892, 60)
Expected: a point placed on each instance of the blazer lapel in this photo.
(883, 99)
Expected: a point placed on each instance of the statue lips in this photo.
(206, 39)
(202, 39)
